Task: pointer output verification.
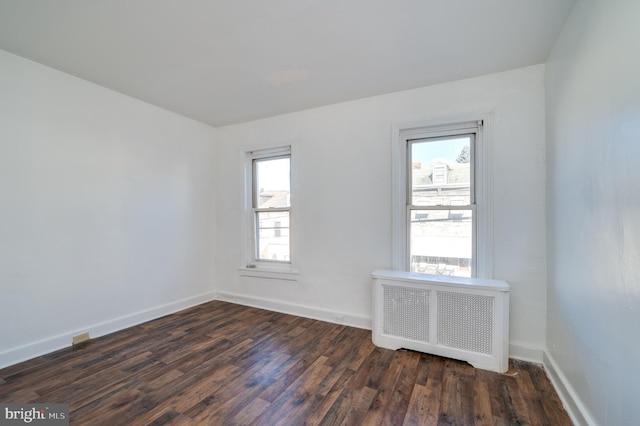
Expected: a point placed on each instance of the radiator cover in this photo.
(455, 317)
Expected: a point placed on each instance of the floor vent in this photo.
(461, 318)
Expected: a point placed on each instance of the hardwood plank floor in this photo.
(225, 364)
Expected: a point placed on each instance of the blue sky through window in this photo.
(447, 149)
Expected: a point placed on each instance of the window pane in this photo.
(272, 236)
(272, 183)
(441, 171)
(441, 242)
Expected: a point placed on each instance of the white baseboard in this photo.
(299, 310)
(526, 354)
(63, 340)
(575, 408)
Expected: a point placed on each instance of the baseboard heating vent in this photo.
(460, 318)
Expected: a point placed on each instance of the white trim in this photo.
(398, 194)
(63, 340)
(523, 353)
(258, 153)
(279, 274)
(483, 184)
(576, 409)
(484, 188)
(298, 310)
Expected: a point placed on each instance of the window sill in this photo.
(275, 274)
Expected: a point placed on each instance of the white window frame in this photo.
(482, 126)
(254, 267)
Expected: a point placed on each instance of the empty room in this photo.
(414, 212)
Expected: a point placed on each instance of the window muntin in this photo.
(271, 205)
(441, 204)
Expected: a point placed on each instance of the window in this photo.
(268, 209)
(441, 208)
(440, 204)
(271, 208)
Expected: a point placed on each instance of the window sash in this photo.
(255, 193)
(473, 237)
(441, 138)
(254, 235)
(277, 239)
(440, 135)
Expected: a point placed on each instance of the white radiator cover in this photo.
(455, 317)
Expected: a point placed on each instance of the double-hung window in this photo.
(268, 209)
(271, 206)
(441, 208)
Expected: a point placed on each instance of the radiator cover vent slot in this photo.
(461, 318)
(405, 310)
(465, 321)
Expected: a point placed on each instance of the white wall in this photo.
(342, 155)
(106, 209)
(593, 110)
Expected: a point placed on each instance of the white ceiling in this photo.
(230, 61)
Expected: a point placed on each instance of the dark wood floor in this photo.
(226, 364)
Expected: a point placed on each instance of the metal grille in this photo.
(406, 313)
(465, 321)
